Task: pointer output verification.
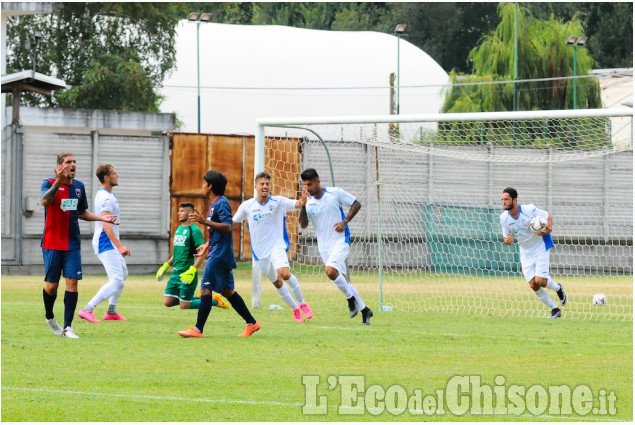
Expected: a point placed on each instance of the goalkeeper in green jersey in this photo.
(184, 278)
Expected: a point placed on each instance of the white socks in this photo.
(343, 286)
(284, 293)
(551, 284)
(294, 286)
(112, 290)
(545, 298)
(358, 299)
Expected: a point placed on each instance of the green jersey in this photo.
(186, 240)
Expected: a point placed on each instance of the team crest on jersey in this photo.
(79, 193)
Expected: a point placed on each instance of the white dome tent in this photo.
(251, 71)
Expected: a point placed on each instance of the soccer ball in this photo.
(599, 299)
(537, 224)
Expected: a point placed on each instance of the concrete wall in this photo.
(136, 143)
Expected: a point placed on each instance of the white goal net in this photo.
(428, 236)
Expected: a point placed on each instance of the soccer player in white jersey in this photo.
(534, 247)
(108, 247)
(266, 216)
(323, 207)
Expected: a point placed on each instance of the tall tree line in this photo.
(446, 31)
(115, 55)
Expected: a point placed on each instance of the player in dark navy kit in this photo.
(218, 275)
(64, 201)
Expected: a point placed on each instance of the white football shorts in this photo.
(115, 265)
(535, 264)
(336, 257)
(277, 260)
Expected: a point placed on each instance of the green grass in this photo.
(140, 370)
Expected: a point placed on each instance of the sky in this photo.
(253, 71)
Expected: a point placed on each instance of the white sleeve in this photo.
(289, 204)
(541, 213)
(504, 226)
(104, 202)
(240, 214)
(344, 197)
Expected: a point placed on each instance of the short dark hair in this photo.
(262, 175)
(187, 205)
(103, 170)
(511, 191)
(61, 156)
(217, 180)
(309, 174)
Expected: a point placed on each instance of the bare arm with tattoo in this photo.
(61, 177)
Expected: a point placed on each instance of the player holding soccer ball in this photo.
(266, 217)
(323, 206)
(534, 247)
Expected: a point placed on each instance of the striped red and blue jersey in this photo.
(61, 217)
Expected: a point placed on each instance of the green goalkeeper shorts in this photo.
(176, 288)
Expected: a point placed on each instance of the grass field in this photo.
(140, 370)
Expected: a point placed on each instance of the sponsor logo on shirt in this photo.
(316, 210)
(259, 216)
(179, 240)
(68, 205)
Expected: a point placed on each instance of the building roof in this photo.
(257, 71)
(31, 81)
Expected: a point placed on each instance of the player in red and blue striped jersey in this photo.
(64, 201)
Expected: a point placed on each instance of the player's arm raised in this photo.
(304, 218)
(61, 177)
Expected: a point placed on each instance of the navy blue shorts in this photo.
(56, 262)
(217, 278)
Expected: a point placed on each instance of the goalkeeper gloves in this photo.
(162, 270)
(188, 276)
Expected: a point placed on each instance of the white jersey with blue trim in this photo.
(324, 212)
(528, 241)
(267, 223)
(105, 201)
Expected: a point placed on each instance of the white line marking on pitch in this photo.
(153, 397)
(274, 403)
(560, 341)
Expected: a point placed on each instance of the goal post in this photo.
(428, 236)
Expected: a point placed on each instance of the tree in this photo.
(113, 55)
(609, 27)
(542, 53)
(445, 31)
